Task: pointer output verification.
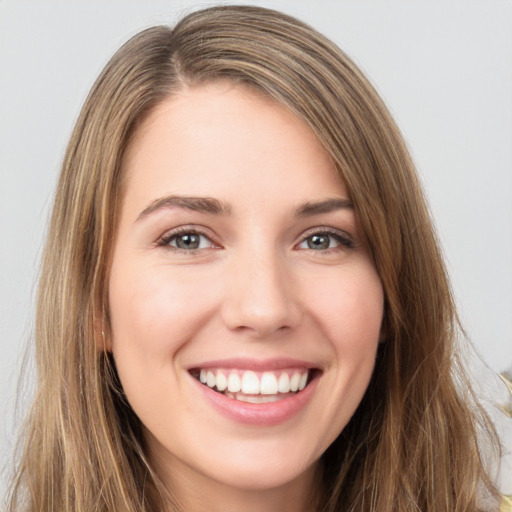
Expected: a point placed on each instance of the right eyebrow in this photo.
(207, 205)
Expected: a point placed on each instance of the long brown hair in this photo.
(414, 442)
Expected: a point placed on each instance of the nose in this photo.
(260, 298)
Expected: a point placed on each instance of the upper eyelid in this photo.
(188, 228)
(326, 230)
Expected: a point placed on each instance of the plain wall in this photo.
(444, 69)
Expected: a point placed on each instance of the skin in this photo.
(254, 288)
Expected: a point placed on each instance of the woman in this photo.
(242, 303)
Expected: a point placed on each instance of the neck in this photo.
(195, 492)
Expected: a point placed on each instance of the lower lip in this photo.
(265, 414)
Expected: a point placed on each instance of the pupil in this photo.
(190, 241)
(318, 242)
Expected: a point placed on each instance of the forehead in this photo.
(219, 138)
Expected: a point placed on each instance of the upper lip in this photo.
(255, 364)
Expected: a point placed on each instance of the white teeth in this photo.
(283, 385)
(222, 382)
(234, 384)
(268, 384)
(210, 379)
(303, 380)
(250, 383)
(294, 382)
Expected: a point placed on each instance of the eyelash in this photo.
(343, 239)
(165, 240)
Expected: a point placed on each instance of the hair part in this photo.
(413, 443)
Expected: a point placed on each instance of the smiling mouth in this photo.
(255, 387)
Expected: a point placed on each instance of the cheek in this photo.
(154, 312)
(349, 307)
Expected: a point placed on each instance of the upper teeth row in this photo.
(266, 383)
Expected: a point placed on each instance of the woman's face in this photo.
(239, 276)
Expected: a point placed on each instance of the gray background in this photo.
(444, 69)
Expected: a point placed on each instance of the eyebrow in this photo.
(329, 205)
(207, 205)
(212, 206)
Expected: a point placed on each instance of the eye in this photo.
(187, 240)
(323, 240)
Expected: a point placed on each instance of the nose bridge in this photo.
(260, 296)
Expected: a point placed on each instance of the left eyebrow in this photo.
(329, 205)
